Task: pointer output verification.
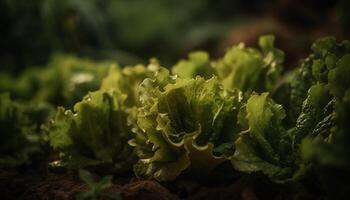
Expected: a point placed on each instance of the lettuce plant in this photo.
(331, 145)
(128, 79)
(94, 135)
(266, 146)
(22, 139)
(239, 109)
(198, 64)
(250, 69)
(285, 153)
(183, 125)
(64, 81)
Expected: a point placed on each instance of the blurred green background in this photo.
(132, 31)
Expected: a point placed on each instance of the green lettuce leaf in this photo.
(332, 149)
(250, 69)
(22, 139)
(329, 151)
(281, 154)
(314, 69)
(95, 135)
(64, 81)
(316, 117)
(327, 71)
(198, 64)
(128, 79)
(266, 146)
(183, 125)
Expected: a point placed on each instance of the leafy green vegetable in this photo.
(198, 64)
(128, 79)
(20, 130)
(94, 135)
(332, 149)
(316, 117)
(315, 68)
(237, 111)
(249, 69)
(182, 125)
(318, 122)
(64, 81)
(266, 145)
(311, 115)
(327, 146)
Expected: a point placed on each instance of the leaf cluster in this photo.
(241, 110)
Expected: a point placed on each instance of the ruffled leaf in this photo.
(181, 120)
(249, 69)
(95, 134)
(266, 145)
(198, 64)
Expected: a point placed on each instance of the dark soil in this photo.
(65, 186)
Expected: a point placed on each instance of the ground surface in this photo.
(63, 186)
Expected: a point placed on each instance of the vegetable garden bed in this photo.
(239, 127)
